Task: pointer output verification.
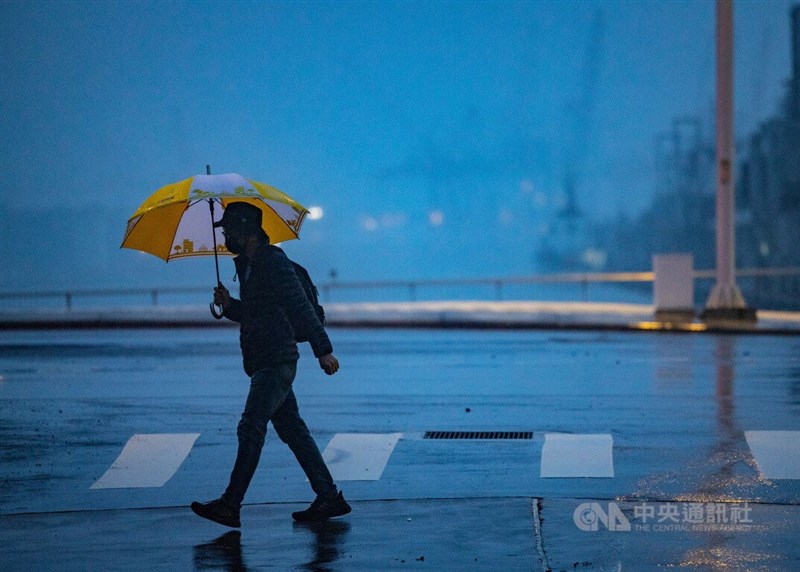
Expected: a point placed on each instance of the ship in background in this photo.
(566, 243)
(563, 245)
(681, 217)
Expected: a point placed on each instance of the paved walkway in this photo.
(459, 450)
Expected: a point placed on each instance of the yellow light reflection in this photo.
(680, 327)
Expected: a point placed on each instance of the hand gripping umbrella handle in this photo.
(214, 312)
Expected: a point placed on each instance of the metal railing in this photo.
(583, 279)
(498, 285)
(70, 295)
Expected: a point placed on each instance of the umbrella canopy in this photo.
(176, 220)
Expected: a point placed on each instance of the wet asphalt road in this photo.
(676, 407)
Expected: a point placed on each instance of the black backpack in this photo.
(312, 294)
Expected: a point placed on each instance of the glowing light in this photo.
(669, 326)
(536, 196)
(436, 218)
(594, 257)
(369, 224)
(315, 213)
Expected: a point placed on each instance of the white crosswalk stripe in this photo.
(147, 460)
(359, 456)
(776, 452)
(566, 455)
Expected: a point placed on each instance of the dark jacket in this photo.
(272, 307)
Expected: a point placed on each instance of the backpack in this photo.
(312, 294)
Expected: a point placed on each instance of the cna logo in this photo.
(589, 515)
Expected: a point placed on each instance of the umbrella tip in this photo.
(208, 169)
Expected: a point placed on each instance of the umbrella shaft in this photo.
(214, 237)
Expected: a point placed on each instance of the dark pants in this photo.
(271, 399)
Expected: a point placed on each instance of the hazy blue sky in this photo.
(380, 112)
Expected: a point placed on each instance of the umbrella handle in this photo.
(213, 308)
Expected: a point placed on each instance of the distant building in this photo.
(768, 193)
(682, 216)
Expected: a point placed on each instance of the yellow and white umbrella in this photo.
(177, 220)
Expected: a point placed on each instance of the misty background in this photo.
(439, 139)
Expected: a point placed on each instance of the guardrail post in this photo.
(68, 296)
(412, 291)
(585, 289)
(498, 290)
(154, 297)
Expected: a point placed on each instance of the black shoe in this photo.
(322, 509)
(218, 511)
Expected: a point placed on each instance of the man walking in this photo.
(272, 312)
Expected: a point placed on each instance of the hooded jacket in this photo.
(272, 307)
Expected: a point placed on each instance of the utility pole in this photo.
(725, 303)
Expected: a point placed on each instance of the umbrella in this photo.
(177, 220)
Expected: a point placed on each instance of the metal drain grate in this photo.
(478, 435)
